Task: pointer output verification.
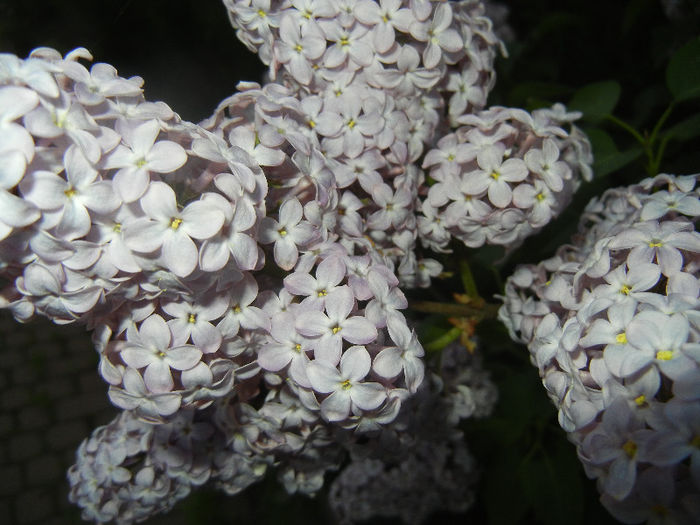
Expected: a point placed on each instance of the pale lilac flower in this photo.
(298, 47)
(546, 164)
(346, 387)
(405, 357)
(438, 34)
(140, 156)
(287, 234)
(241, 312)
(15, 212)
(288, 348)
(467, 91)
(351, 48)
(495, 175)
(69, 118)
(383, 17)
(135, 396)
(232, 240)
(172, 230)
(14, 103)
(618, 443)
(193, 320)
(329, 330)
(70, 198)
(662, 242)
(149, 346)
(329, 273)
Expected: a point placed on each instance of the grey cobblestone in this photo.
(59, 387)
(81, 406)
(10, 480)
(7, 424)
(25, 374)
(44, 469)
(33, 417)
(16, 397)
(34, 505)
(65, 435)
(24, 446)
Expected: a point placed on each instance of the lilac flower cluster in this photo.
(371, 87)
(258, 255)
(422, 465)
(612, 323)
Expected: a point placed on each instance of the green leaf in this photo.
(685, 130)
(553, 485)
(597, 100)
(683, 72)
(606, 157)
(503, 494)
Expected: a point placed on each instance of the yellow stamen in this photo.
(630, 448)
(140, 163)
(298, 48)
(70, 192)
(540, 196)
(236, 309)
(282, 232)
(192, 318)
(344, 41)
(640, 400)
(346, 385)
(655, 244)
(312, 124)
(336, 329)
(261, 13)
(625, 289)
(175, 223)
(664, 355)
(621, 338)
(322, 293)
(117, 227)
(297, 347)
(451, 157)
(494, 175)
(352, 123)
(161, 354)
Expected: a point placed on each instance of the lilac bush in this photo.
(244, 277)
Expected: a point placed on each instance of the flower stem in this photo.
(481, 311)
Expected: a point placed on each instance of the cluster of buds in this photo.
(612, 324)
(244, 273)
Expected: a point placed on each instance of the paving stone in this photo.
(10, 480)
(67, 435)
(7, 424)
(58, 387)
(34, 505)
(24, 446)
(5, 507)
(33, 417)
(25, 374)
(81, 406)
(15, 397)
(44, 469)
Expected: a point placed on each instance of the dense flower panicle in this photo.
(612, 323)
(515, 172)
